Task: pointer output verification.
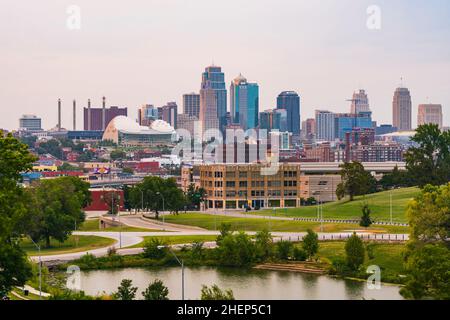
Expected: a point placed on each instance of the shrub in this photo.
(154, 249)
(283, 249)
(310, 243)
(299, 254)
(156, 291)
(215, 293)
(354, 252)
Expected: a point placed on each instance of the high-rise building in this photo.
(191, 104)
(360, 102)
(213, 99)
(30, 122)
(325, 125)
(309, 128)
(169, 113)
(93, 117)
(346, 122)
(401, 109)
(275, 119)
(187, 122)
(290, 101)
(244, 102)
(430, 113)
(147, 113)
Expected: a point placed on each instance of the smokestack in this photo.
(74, 115)
(104, 114)
(89, 115)
(59, 114)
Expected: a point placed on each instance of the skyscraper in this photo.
(244, 102)
(191, 104)
(213, 99)
(290, 101)
(430, 113)
(401, 109)
(147, 113)
(325, 125)
(360, 102)
(273, 120)
(169, 113)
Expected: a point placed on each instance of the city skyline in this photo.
(41, 66)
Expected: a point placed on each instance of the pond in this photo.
(245, 283)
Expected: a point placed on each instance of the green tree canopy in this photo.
(355, 181)
(156, 291)
(55, 207)
(310, 243)
(354, 252)
(125, 291)
(365, 218)
(215, 293)
(429, 162)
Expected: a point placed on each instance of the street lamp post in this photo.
(181, 262)
(40, 268)
(159, 193)
(390, 203)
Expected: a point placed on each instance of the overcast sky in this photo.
(153, 51)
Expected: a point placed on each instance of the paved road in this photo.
(127, 239)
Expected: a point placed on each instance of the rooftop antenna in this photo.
(401, 82)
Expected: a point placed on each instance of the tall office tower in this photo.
(213, 99)
(147, 113)
(273, 120)
(169, 113)
(290, 101)
(74, 115)
(309, 128)
(93, 117)
(30, 122)
(401, 109)
(59, 115)
(191, 104)
(430, 113)
(346, 122)
(325, 125)
(360, 102)
(244, 102)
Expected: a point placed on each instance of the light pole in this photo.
(390, 203)
(181, 262)
(159, 193)
(40, 268)
(142, 200)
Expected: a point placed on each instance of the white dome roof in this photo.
(162, 126)
(128, 125)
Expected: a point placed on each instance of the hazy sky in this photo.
(153, 51)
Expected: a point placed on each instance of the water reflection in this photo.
(245, 283)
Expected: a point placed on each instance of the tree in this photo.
(55, 207)
(117, 155)
(355, 181)
(112, 199)
(365, 218)
(310, 243)
(428, 273)
(154, 249)
(158, 194)
(263, 243)
(125, 291)
(354, 252)
(195, 195)
(284, 249)
(396, 179)
(429, 161)
(215, 293)
(128, 170)
(156, 291)
(427, 258)
(15, 158)
(429, 215)
(52, 147)
(68, 167)
(236, 250)
(225, 230)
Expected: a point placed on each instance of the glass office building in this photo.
(244, 102)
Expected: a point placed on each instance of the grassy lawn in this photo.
(93, 225)
(387, 256)
(169, 240)
(73, 244)
(211, 222)
(20, 293)
(379, 204)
